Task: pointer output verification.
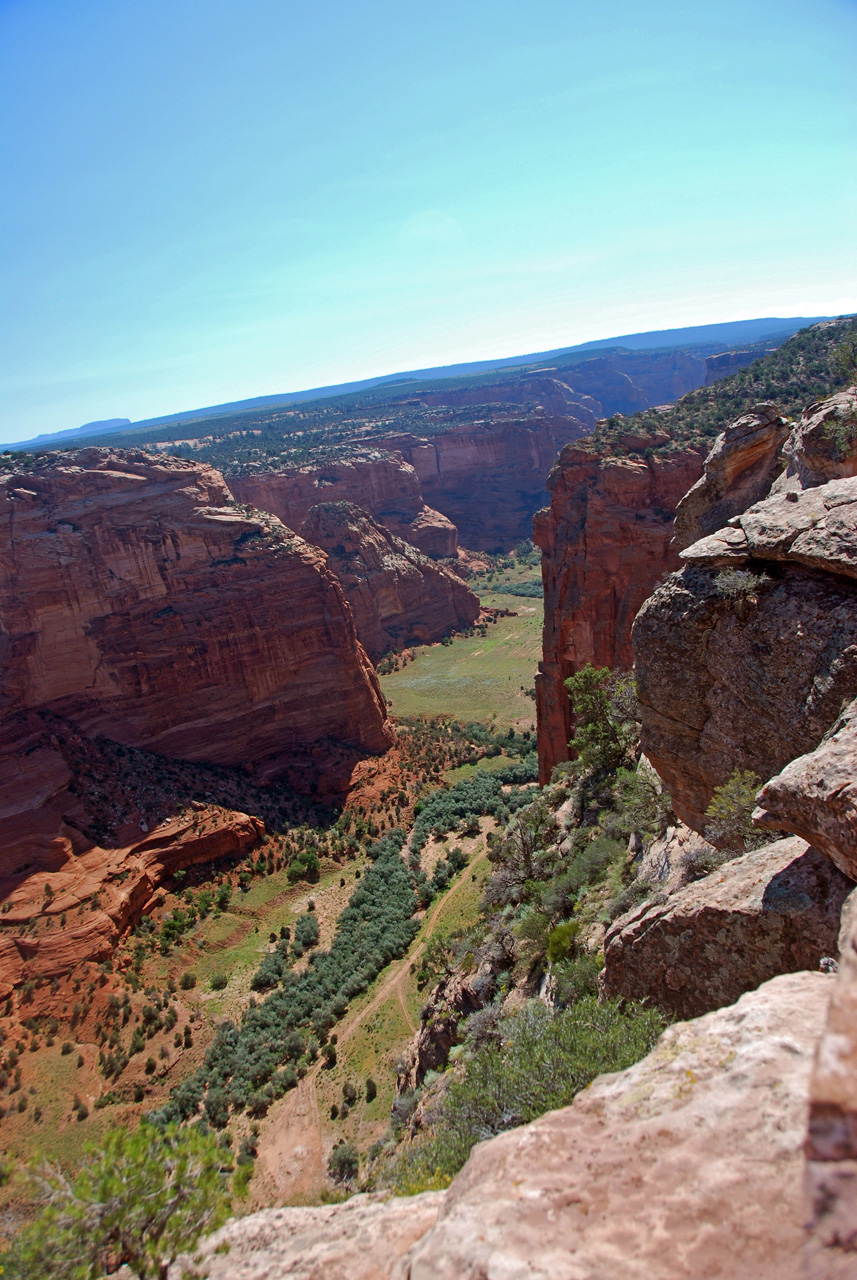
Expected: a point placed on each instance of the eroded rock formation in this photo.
(831, 1147)
(489, 477)
(775, 910)
(398, 596)
(140, 604)
(746, 657)
(382, 483)
(605, 543)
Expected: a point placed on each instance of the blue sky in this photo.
(203, 201)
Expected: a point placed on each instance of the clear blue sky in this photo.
(204, 200)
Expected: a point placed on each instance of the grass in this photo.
(475, 678)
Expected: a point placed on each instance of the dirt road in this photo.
(291, 1166)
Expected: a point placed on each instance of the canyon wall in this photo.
(398, 596)
(137, 602)
(384, 484)
(605, 542)
(488, 477)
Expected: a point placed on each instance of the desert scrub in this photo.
(730, 812)
(542, 1062)
(738, 584)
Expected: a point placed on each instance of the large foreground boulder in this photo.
(687, 1165)
(831, 1148)
(359, 1240)
(775, 910)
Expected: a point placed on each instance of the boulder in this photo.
(816, 795)
(775, 910)
(739, 471)
(687, 1165)
(359, 1240)
(831, 1146)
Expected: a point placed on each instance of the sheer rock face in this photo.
(739, 471)
(489, 478)
(384, 484)
(774, 910)
(831, 1147)
(605, 542)
(140, 605)
(398, 596)
(751, 670)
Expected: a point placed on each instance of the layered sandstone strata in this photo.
(382, 483)
(398, 596)
(489, 477)
(139, 603)
(605, 542)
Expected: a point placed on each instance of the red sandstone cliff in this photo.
(489, 477)
(382, 483)
(605, 543)
(139, 604)
(398, 597)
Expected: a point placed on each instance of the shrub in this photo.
(140, 1199)
(738, 584)
(187, 982)
(543, 1061)
(219, 982)
(67, 1047)
(344, 1162)
(732, 804)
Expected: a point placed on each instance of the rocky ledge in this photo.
(688, 1164)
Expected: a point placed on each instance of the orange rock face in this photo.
(489, 477)
(383, 484)
(398, 596)
(605, 543)
(140, 604)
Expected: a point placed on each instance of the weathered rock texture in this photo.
(750, 670)
(359, 1240)
(139, 604)
(398, 596)
(383, 483)
(775, 910)
(452, 1001)
(686, 1165)
(816, 795)
(489, 477)
(739, 471)
(831, 1147)
(605, 543)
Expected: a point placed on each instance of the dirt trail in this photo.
(292, 1162)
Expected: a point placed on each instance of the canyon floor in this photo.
(483, 678)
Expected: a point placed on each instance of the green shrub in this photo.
(219, 982)
(187, 982)
(140, 1199)
(730, 813)
(344, 1162)
(543, 1061)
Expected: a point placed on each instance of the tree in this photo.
(140, 1199)
(603, 706)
